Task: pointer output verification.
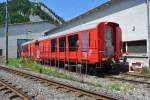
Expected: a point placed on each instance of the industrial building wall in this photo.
(12, 47)
(19, 29)
(131, 16)
(22, 31)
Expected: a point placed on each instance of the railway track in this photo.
(12, 91)
(134, 75)
(78, 92)
(138, 79)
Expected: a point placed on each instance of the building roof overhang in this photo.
(101, 7)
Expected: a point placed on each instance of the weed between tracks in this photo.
(52, 71)
(128, 89)
(33, 65)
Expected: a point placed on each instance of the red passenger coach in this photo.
(93, 47)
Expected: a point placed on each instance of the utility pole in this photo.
(148, 30)
(6, 34)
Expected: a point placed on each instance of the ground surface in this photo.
(119, 90)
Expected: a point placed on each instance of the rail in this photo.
(9, 89)
(78, 92)
(137, 79)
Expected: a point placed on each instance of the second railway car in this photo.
(92, 46)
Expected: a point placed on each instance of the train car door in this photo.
(38, 52)
(85, 44)
(119, 43)
(109, 48)
(37, 49)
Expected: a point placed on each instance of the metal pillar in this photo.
(148, 30)
(6, 34)
(126, 44)
(50, 56)
(65, 55)
(86, 62)
(56, 57)
(43, 55)
(76, 61)
(81, 61)
(68, 59)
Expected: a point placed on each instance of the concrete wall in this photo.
(19, 29)
(130, 14)
(22, 32)
(13, 43)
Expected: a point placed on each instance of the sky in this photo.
(68, 9)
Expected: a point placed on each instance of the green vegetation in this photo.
(26, 63)
(20, 10)
(128, 89)
(146, 71)
(98, 85)
(2, 60)
(52, 71)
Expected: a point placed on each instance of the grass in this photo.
(52, 71)
(146, 71)
(36, 67)
(98, 85)
(126, 89)
(2, 60)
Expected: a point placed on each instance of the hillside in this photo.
(22, 11)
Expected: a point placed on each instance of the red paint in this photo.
(97, 51)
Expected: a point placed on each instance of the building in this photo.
(133, 17)
(20, 33)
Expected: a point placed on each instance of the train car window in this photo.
(73, 42)
(62, 44)
(1, 52)
(53, 45)
(85, 41)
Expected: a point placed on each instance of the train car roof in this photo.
(79, 28)
(28, 42)
(71, 30)
(40, 34)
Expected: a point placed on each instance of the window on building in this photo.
(137, 46)
(62, 44)
(124, 47)
(85, 41)
(53, 45)
(73, 42)
(1, 52)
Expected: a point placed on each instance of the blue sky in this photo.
(69, 9)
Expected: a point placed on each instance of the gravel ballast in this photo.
(99, 85)
(33, 88)
(91, 83)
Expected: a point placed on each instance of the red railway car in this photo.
(91, 46)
